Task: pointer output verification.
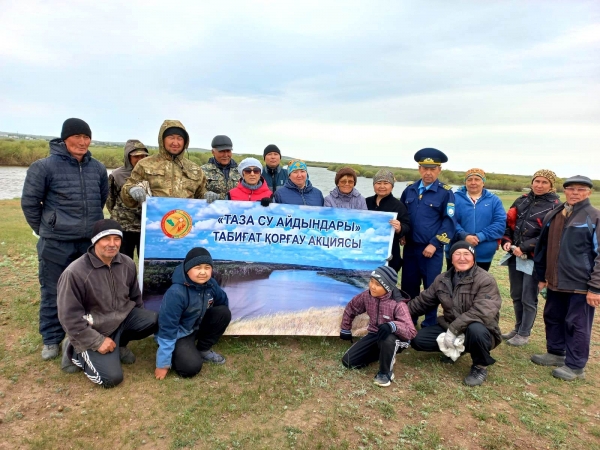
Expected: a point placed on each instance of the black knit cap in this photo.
(386, 277)
(73, 126)
(462, 244)
(106, 227)
(177, 131)
(195, 257)
(270, 149)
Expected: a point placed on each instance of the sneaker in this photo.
(126, 356)
(476, 376)
(213, 357)
(383, 379)
(548, 359)
(517, 340)
(66, 364)
(49, 352)
(568, 374)
(509, 335)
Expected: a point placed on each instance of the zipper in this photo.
(84, 195)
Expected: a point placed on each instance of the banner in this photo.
(287, 269)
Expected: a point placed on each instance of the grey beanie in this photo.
(384, 175)
(386, 277)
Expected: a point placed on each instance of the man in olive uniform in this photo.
(221, 170)
(168, 173)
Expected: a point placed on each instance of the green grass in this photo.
(279, 392)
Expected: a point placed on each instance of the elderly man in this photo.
(100, 307)
(221, 170)
(274, 175)
(567, 263)
(63, 196)
(168, 173)
(471, 303)
(430, 205)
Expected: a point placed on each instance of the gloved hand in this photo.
(384, 330)
(346, 335)
(265, 201)
(449, 339)
(211, 196)
(138, 194)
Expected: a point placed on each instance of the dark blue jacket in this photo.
(290, 194)
(181, 311)
(486, 219)
(432, 216)
(278, 180)
(62, 197)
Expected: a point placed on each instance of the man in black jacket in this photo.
(63, 196)
(567, 263)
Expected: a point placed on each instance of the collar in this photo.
(97, 262)
(432, 186)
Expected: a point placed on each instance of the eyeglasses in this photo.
(252, 170)
(578, 190)
(346, 182)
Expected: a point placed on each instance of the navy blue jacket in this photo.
(290, 194)
(278, 180)
(432, 216)
(181, 311)
(62, 197)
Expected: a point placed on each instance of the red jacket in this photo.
(242, 193)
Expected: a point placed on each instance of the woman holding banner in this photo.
(345, 194)
(252, 186)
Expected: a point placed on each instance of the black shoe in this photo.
(476, 376)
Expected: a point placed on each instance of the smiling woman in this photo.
(252, 186)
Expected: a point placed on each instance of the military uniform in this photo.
(166, 175)
(217, 182)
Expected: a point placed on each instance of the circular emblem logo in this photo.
(176, 224)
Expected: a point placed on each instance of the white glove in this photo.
(211, 196)
(449, 339)
(138, 194)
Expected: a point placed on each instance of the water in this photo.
(12, 179)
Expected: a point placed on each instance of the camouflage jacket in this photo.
(129, 218)
(215, 179)
(166, 176)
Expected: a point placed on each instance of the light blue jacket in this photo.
(486, 219)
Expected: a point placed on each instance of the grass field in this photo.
(280, 392)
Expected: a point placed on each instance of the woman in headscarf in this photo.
(345, 194)
(298, 190)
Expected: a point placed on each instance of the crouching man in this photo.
(100, 308)
(471, 303)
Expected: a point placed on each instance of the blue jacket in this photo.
(432, 215)
(290, 194)
(486, 219)
(62, 197)
(181, 312)
(278, 180)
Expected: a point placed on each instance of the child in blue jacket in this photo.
(193, 316)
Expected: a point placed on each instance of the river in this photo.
(12, 179)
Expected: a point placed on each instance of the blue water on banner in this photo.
(275, 263)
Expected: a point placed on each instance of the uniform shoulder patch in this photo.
(450, 209)
(447, 187)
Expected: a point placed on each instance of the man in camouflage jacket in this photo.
(168, 173)
(128, 218)
(221, 170)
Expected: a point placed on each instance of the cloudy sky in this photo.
(509, 86)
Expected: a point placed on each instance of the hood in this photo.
(59, 148)
(122, 173)
(179, 277)
(168, 124)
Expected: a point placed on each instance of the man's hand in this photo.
(429, 251)
(384, 330)
(160, 373)
(138, 194)
(472, 240)
(402, 240)
(542, 285)
(449, 339)
(107, 346)
(346, 335)
(517, 252)
(397, 225)
(506, 246)
(593, 299)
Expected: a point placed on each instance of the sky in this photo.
(507, 86)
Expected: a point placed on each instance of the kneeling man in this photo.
(471, 303)
(100, 308)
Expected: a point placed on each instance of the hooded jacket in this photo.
(106, 293)
(129, 218)
(291, 194)
(167, 175)
(353, 200)
(242, 193)
(62, 197)
(524, 219)
(220, 179)
(475, 298)
(181, 311)
(486, 219)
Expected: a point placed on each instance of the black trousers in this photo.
(105, 369)
(368, 350)
(130, 242)
(478, 342)
(187, 360)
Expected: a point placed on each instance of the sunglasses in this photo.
(252, 170)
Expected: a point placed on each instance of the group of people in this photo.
(86, 261)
